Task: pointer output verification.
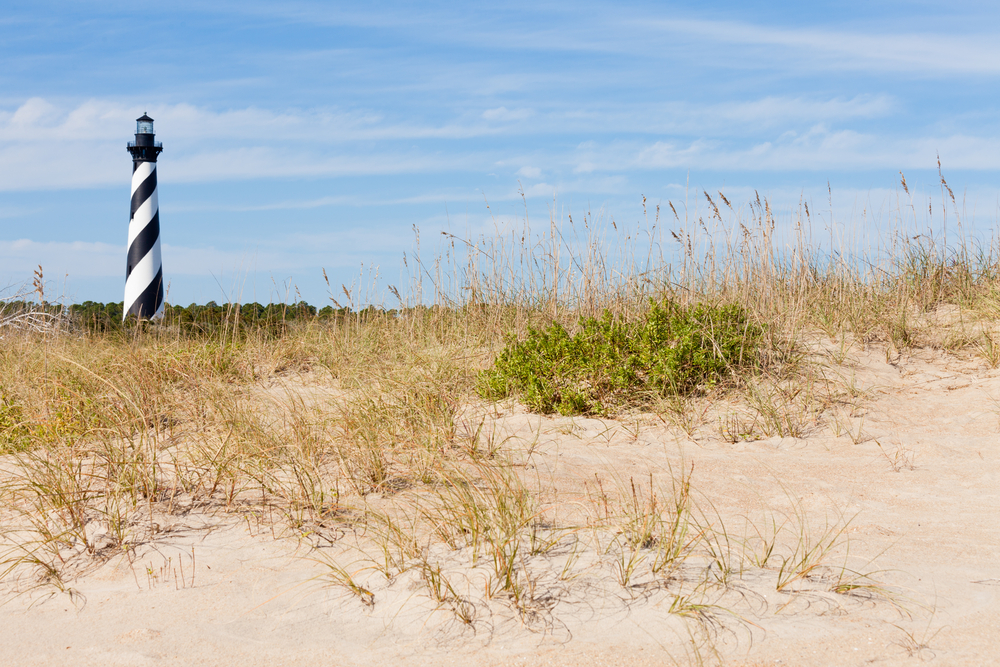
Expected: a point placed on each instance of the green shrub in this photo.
(610, 363)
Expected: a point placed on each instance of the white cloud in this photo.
(288, 252)
(775, 110)
(922, 53)
(505, 114)
(47, 146)
(31, 112)
(821, 149)
(263, 162)
(85, 258)
(652, 34)
(287, 205)
(43, 146)
(727, 118)
(540, 190)
(95, 119)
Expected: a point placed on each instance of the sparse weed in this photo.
(736, 427)
(339, 575)
(779, 411)
(810, 555)
(845, 425)
(917, 644)
(988, 346)
(900, 458)
(444, 593)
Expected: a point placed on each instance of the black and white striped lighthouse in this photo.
(144, 272)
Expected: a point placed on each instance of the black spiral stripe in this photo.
(143, 192)
(148, 303)
(143, 243)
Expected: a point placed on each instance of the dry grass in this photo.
(366, 432)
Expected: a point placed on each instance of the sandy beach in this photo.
(896, 482)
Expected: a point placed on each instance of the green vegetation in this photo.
(611, 363)
(97, 317)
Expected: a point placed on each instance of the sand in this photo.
(914, 469)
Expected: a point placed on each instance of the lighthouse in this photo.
(143, 271)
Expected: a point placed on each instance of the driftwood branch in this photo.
(16, 314)
(30, 320)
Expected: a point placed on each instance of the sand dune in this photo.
(902, 476)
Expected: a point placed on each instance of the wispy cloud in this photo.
(322, 202)
(39, 119)
(80, 258)
(45, 145)
(926, 53)
(18, 258)
(18, 211)
(267, 162)
(630, 28)
(505, 114)
(286, 205)
(822, 149)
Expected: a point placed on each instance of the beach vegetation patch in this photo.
(610, 363)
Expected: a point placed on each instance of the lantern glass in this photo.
(144, 127)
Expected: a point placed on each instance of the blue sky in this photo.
(307, 135)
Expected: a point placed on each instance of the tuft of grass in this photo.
(810, 555)
(493, 513)
(445, 594)
(899, 458)
(339, 575)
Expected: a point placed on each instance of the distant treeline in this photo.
(105, 317)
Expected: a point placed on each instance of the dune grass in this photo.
(375, 426)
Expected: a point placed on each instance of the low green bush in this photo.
(610, 364)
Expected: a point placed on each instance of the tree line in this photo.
(96, 317)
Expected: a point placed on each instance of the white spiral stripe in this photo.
(141, 173)
(143, 216)
(142, 275)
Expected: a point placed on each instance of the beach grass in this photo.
(373, 430)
